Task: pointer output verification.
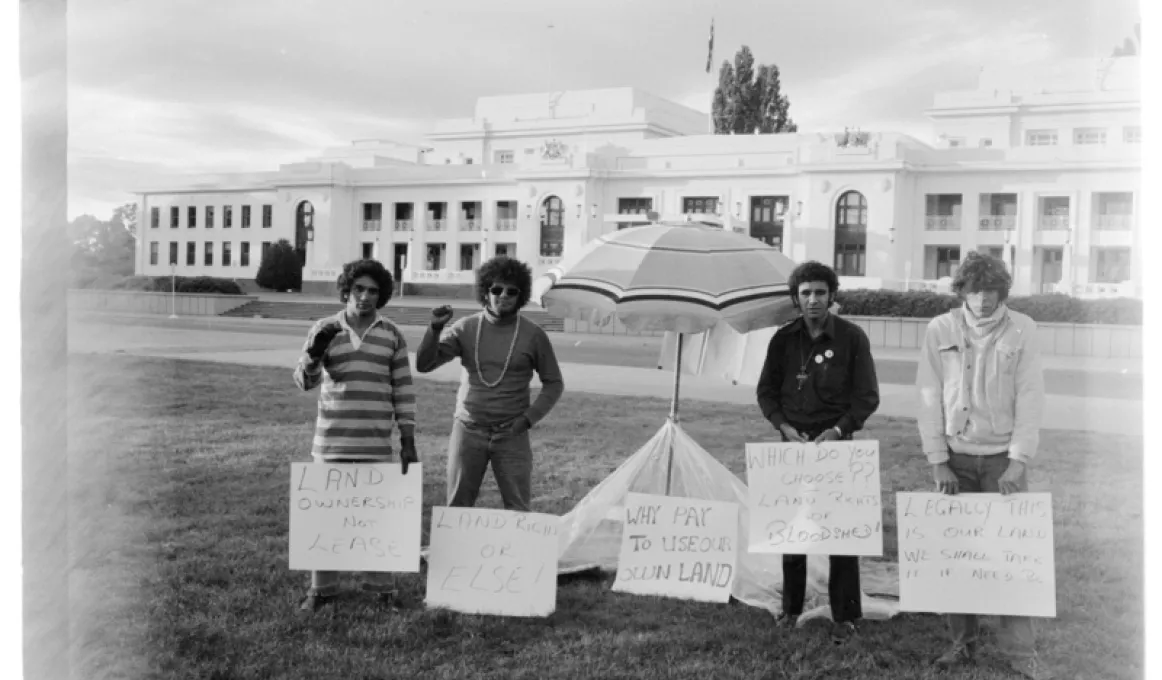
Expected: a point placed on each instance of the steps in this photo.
(402, 315)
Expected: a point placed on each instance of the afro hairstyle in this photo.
(508, 270)
(373, 268)
(979, 272)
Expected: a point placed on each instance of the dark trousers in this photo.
(843, 574)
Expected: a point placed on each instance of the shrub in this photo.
(185, 284)
(1051, 308)
(280, 268)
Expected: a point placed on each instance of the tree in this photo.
(103, 248)
(280, 268)
(750, 102)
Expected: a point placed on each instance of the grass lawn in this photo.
(179, 477)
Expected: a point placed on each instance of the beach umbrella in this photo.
(678, 277)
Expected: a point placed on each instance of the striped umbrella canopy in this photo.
(684, 278)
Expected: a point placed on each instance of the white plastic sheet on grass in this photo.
(591, 532)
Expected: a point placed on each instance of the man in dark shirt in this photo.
(819, 384)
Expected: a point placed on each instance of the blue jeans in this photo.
(472, 447)
(1016, 637)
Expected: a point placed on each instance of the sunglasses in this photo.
(508, 290)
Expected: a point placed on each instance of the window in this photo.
(1085, 136)
(1115, 211)
(941, 261)
(1041, 138)
(467, 161)
(436, 256)
(267, 216)
(403, 216)
(1054, 213)
(265, 249)
(633, 206)
(470, 215)
(468, 254)
(244, 253)
(372, 216)
(437, 216)
(766, 219)
(506, 215)
(1132, 134)
(192, 217)
(704, 205)
(173, 217)
(504, 156)
(153, 252)
(209, 217)
(850, 234)
(955, 142)
(154, 217)
(209, 259)
(173, 253)
(226, 254)
(985, 143)
(506, 250)
(245, 217)
(368, 250)
(552, 227)
(191, 253)
(1110, 265)
(998, 212)
(227, 216)
(942, 212)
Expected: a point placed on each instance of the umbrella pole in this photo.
(674, 411)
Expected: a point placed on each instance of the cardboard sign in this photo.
(979, 553)
(684, 548)
(493, 562)
(815, 498)
(355, 517)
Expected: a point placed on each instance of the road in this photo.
(632, 352)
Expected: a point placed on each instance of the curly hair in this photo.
(811, 271)
(979, 272)
(373, 268)
(509, 270)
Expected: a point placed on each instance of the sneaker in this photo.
(313, 602)
(1032, 667)
(785, 620)
(843, 631)
(956, 656)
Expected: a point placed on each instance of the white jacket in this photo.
(990, 407)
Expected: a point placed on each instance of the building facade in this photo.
(1041, 168)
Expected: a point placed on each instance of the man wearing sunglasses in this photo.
(499, 351)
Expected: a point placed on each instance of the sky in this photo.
(162, 87)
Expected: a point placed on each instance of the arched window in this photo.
(552, 227)
(304, 217)
(851, 234)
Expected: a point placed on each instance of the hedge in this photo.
(1049, 308)
(185, 284)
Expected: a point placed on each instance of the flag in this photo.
(710, 54)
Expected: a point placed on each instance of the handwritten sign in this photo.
(496, 562)
(678, 547)
(980, 553)
(815, 498)
(355, 517)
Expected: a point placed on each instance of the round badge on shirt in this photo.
(829, 354)
(818, 358)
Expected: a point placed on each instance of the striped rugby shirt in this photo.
(367, 382)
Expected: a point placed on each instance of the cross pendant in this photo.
(802, 378)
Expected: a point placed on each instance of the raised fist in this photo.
(441, 316)
(322, 339)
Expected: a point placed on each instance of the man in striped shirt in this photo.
(361, 360)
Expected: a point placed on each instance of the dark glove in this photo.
(322, 339)
(407, 454)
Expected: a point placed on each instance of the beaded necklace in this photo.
(511, 347)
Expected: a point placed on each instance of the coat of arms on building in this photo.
(852, 138)
(553, 150)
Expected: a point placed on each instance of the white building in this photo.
(1039, 167)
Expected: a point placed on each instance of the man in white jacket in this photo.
(981, 394)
